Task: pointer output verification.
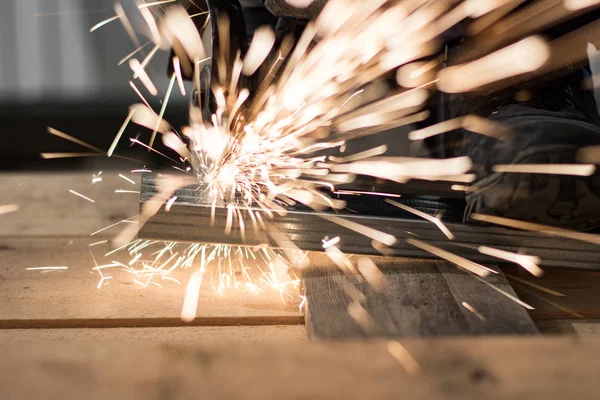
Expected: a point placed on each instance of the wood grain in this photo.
(421, 301)
(484, 368)
(202, 335)
(486, 310)
(35, 299)
(47, 208)
(581, 290)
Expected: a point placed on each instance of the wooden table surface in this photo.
(65, 308)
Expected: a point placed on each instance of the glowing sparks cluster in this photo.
(225, 267)
(268, 150)
(286, 108)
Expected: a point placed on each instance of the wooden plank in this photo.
(486, 310)
(70, 298)
(570, 326)
(466, 369)
(421, 301)
(581, 290)
(47, 208)
(203, 335)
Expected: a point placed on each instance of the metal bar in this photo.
(189, 220)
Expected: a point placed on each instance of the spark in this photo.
(192, 293)
(554, 169)
(169, 278)
(471, 123)
(260, 152)
(462, 188)
(110, 226)
(358, 313)
(331, 242)
(438, 222)
(579, 4)
(82, 196)
(177, 69)
(261, 45)
(302, 303)
(145, 116)
(135, 259)
(376, 151)
(359, 192)
(133, 53)
(50, 156)
(96, 178)
(533, 285)
(127, 191)
(404, 358)
(554, 304)
(530, 263)
(142, 171)
(530, 226)
(101, 282)
(373, 275)
(8, 208)
(104, 22)
(163, 109)
(126, 23)
(97, 243)
(111, 265)
(127, 179)
(198, 14)
(170, 203)
(374, 234)
(155, 3)
(140, 95)
(381, 248)
(146, 61)
(470, 266)
(46, 268)
(139, 72)
(72, 139)
(473, 310)
(436, 129)
(525, 56)
(113, 146)
(150, 149)
(504, 293)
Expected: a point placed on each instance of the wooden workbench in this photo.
(51, 324)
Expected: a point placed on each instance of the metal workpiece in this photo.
(189, 220)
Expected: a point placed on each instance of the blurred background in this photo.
(55, 72)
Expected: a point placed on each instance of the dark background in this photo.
(54, 72)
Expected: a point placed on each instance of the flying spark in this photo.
(127, 179)
(8, 208)
(286, 143)
(404, 358)
(82, 196)
(473, 310)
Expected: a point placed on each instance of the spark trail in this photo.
(265, 149)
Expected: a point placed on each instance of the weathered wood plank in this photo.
(421, 301)
(32, 298)
(484, 368)
(47, 208)
(581, 290)
(202, 335)
(486, 310)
